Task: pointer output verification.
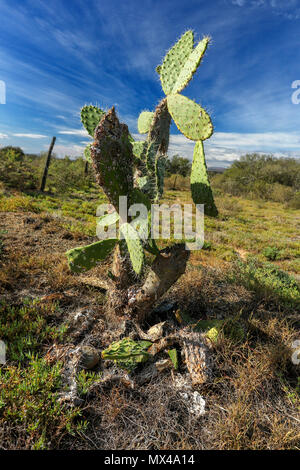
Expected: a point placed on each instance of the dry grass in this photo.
(252, 401)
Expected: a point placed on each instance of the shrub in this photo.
(272, 253)
(267, 281)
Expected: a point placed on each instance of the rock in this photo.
(88, 357)
(157, 331)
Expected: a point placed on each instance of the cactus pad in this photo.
(144, 121)
(127, 354)
(112, 158)
(108, 219)
(190, 66)
(175, 60)
(90, 118)
(138, 148)
(174, 357)
(87, 153)
(200, 186)
(86, 257)
(134, 245)
(192, 120)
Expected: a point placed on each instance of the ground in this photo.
(252, 401)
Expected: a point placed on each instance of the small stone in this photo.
(89, 357)
(156, 332)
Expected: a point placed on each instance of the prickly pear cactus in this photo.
(112, 157)
(86, 257)
(136, 169)
(200, 186)
(192, 120)
(90, 118)
(127, 354)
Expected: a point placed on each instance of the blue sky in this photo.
(58, 55)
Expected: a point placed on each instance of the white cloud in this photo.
(80, 132)
(31, 136)
(226, 147)
(3, 136)
(72, 151)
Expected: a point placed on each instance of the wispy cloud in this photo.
(80, 132)
(287, 8)
(3, 136)
(31, 136)
(227, 147)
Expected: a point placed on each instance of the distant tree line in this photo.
(264, 177)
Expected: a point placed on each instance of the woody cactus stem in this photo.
(166, 269)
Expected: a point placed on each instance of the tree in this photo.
(178, 166)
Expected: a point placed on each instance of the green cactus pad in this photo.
(175, 60)
(174, 357)
(138, 149)
(150, 157)
(87, 153)
(143, 226)
(112, 158)
(190, 66)
(84, 258)
(200, 186)
(231, 328)
(144, 183)
(160, 169)
(144, 122)
(192, 120)
(90, 118)
(158, 69)
(127, 354)
(134, 245)
(108, 219)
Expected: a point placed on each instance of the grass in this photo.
(247, 270)
(29, 386)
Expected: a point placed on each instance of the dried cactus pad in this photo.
(90, 118)
(200, 186)
(126, 353)
(84, 258)
(112, 158)
(175, 60)
(192, 120)
(144, 121)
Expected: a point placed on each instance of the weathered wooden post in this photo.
(47, 164)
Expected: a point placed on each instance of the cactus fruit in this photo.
(144, 122)
(90, 118)
(134, 245)
(174, 61)
(86, 257)
(192, 120)
(200, 186)
(127, 354)
(112, 157)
